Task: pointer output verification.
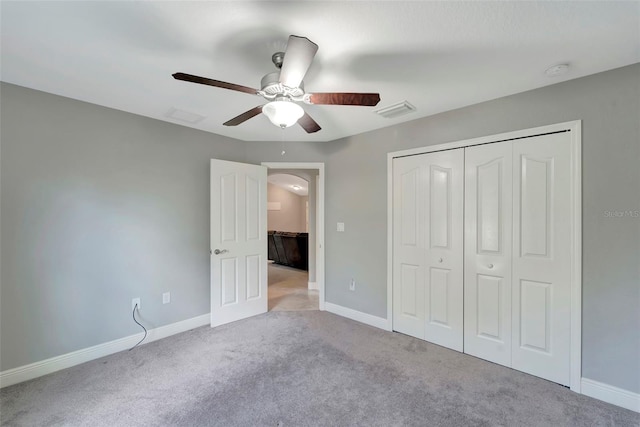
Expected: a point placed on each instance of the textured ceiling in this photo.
(437, 55)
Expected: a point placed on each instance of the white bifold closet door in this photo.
(488, 239)
(541, 276)
(428, 233)
(518, 255)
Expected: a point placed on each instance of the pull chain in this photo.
(282, 142)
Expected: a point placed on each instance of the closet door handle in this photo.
(440, 260)
(490, 265)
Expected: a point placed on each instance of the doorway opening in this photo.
(295, 234)
(288, 242)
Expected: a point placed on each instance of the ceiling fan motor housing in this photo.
(271, 85)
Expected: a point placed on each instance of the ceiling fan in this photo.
(284, 89)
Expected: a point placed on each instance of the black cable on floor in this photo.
(145, 329)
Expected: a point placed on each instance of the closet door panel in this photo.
(488, 239)
(444, 254)
(542, 257)
(409, 184)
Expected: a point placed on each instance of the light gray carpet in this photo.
(307, 368)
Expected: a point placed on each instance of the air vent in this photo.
(396, 110)
(184, 116)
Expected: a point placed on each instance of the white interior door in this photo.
(444, 242)
(542, 256)
(238, 241)
(428, 247)
(488, 226)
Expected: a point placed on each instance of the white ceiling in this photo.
(437, 55)
(291, 183)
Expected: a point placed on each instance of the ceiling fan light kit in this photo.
(284, 88)
(283, 112)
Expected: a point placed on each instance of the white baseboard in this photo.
(611, 394)
(313, 285)
(48, 366)
(358, 316)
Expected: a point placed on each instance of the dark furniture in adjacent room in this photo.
(288, 248)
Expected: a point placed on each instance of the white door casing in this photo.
(428, 218)
(238, 241)
(488, 240)
(542, 245)
(319, 218)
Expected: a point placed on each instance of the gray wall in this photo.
(98, 206)
(608, 105)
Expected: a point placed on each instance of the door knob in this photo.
(490, 265)
(218, 251)
(440, 260)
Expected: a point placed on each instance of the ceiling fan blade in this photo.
(210, 82)
(329, 98)
(308, 124)
(244, 116)
(297, 59)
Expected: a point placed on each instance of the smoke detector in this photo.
(557, 70)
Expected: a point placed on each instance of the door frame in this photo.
(319, 218)
(575, 130)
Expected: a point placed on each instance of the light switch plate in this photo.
(341, 226)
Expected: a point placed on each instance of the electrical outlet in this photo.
(166, 298)
(352, 285)
(134, 302)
